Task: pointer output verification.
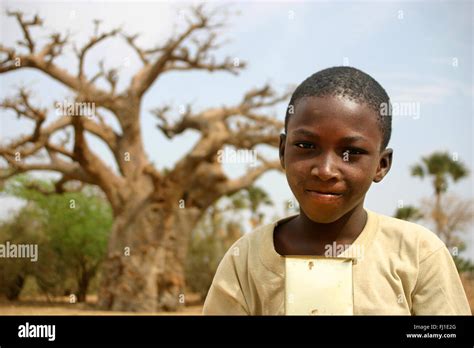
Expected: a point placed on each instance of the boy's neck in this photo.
(346, 229)
(302, 236)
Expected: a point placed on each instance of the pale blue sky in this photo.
(409, 47)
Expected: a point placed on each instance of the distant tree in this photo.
(458, 215)
(464, 265)
(409, 213)
(252, 198)
(23, 228)
(440, 166)
(207, 246)
(217, 231)
(450, 215)
(76, 225)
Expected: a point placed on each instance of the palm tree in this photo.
(409, 213)
(440, 166)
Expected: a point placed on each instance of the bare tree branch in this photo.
(43, 61)
(71, 169)
(54, 48)
(211, 183)
(8, 63)
(216, 130)
(104, 177)
(234, 185)
(174, 55)
(247, 109)
(23, 108)
(59, 187)
(141, 53)
(89, 168)
(186, 121)
(25, 27)
(94, 40)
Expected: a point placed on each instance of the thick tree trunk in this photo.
(83, 281)
(135, 252)
(82, 288)
(172, 280)
(15, 288)
(144, 268)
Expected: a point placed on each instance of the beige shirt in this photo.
(405, 269)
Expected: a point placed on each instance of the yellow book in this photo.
(318, 285)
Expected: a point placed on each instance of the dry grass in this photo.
(61, 306)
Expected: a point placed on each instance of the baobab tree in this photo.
(154, 210)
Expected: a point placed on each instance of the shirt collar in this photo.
(276, 262)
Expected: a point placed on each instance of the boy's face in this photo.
(331, 155)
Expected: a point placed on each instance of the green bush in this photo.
(71, 231)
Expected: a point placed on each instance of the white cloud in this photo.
(429, 90)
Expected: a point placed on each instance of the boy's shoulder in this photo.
(257, 236)
(264, 233)
(261, 237)
(409, 234)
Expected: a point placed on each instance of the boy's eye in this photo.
(304, 145)
(353, 151)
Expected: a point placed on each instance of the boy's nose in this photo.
(325, 168)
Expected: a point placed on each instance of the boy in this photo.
(334, 147)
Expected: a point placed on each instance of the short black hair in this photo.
(347, 82)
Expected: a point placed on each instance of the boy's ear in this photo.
(385, 163)
(282, 149)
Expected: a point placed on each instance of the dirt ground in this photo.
(61, 306)
(468, 284)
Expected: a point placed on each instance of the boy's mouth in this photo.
(324, 192)
(324, 196)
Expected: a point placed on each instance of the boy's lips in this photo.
(333, 192)
(324, 196)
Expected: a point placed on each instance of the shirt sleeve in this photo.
(225, 295)
(439, 290)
